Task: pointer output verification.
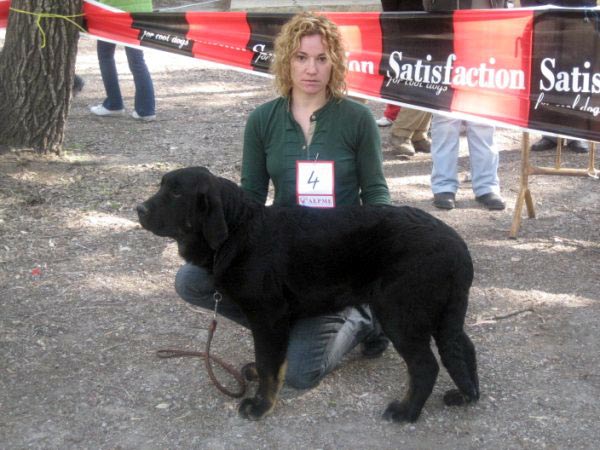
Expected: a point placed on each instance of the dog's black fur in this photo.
(281, 263)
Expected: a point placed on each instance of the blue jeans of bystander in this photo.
(483, 156)
(144, 90)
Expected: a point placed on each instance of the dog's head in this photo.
(187, 203)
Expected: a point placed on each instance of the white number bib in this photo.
(315, 184)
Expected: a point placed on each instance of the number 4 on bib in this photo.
(315, 184)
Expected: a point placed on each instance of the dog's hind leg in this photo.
(458, 354)
(270, 350)
(422, 372)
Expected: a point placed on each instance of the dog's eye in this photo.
(175, 193)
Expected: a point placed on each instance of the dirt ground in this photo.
(87, 296)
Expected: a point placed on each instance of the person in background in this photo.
(445, 145)
(311, 122)
(550, 142)
(409, 126)
(391, 111)
(409, 132)
(144, 103)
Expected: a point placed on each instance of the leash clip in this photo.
(217, 297)
(208, 358)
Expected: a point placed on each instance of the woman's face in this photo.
(311, 67)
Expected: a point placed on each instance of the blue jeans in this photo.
(144, 90)
(317, 344)
(483, 156)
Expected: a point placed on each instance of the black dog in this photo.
(280, 263)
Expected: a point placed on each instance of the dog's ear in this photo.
(210, 218)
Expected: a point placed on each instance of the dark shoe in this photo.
(491, 201)
(422, 146)
(374, 347)
(578, 146)
(543, 144)
(402, 146)
(444, 200)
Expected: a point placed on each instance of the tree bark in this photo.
(36, 80)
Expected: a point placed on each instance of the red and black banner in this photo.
(4, 7)
(536, 69)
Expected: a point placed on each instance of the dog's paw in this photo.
(254, 408)
(454, 397)
(400, 412)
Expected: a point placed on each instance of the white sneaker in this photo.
(100, 110)
(149, 118)
(383, 122)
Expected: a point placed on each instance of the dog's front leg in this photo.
(270, 347)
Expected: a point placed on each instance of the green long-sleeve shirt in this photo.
(344, 132)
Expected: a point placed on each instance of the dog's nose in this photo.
(141, 210)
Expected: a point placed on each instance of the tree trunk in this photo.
(36, 82)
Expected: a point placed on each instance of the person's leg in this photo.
(409, 122)
(318, 344)
(422, 125)
(484, 159)
(195, 286)
(144, 89)
(420, 139)
(110, 78)
(391, 111)
(445, 145)
(389, 115)
(403, 130)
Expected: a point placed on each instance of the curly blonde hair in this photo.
(287, 44)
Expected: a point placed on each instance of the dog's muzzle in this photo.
(143, 213)
(142, 210)
(152, 222)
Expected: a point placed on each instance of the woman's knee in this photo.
(301, 378)
(194, 285)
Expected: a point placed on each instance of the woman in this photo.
(144, 102)
(311, 122)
